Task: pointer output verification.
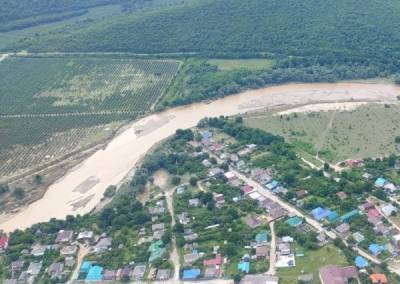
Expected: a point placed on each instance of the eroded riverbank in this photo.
(70, 196)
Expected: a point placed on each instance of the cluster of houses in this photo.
(90, 271)
(286, 257)
(130, 272)
(67, 244)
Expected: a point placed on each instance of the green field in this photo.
(368, 131)
(50, 107)
(248, 64)
(311, 262)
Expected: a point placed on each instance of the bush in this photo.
(176, 180)
(110, 191)
(19, 193)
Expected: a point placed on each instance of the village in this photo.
(251, 212)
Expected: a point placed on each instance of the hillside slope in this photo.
(360, 31)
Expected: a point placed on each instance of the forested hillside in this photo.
(11, 10)
(15, 15)
(331, 31)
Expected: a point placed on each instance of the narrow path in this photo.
(272, 252)
(174, 252)
(83, 251)
(324, 133)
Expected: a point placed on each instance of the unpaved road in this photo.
(272, 251)
(174, 256)
(112, 164)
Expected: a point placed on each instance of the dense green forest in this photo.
(332, 31)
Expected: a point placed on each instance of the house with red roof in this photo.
(217, 260)
(3, 242)
(378, 278)
(247, 189)
(373, 213)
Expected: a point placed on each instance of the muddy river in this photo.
(82, 187)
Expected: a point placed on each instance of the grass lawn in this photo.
(249, 64)
(311, 262)
(368, 131)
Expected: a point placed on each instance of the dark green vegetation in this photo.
(58, 105)
(354, 31)
(21, 14)
(199, 80)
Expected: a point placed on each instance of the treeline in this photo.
(204, 81)
(240, 132)
(353, 32)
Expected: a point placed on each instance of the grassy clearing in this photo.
(249, 64)
(311, 262)
(368, 131)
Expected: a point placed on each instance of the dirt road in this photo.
(272, 251)
(83, 251)
(174, 256)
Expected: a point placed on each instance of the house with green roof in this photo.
(294, 221)
(350, 215)
(155, 246)
(157, 254)
(262, 237)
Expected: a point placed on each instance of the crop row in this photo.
(57, 85)
(31, 142)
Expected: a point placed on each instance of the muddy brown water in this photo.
(111, 165)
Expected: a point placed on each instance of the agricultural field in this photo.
(367, 131)
(50, 107)
(248, 64)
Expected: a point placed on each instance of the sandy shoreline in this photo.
(111, 164)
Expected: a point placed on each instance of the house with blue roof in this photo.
(294, 221)
(350, 215)
(262, 237)
(332, 216)
(320, 213)
(244, 266)
(380, 182)
(95, 273)
(272, 184)
(376, 249)
(190, 274)
(361, 262)
(85, 267)
(206, 134)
